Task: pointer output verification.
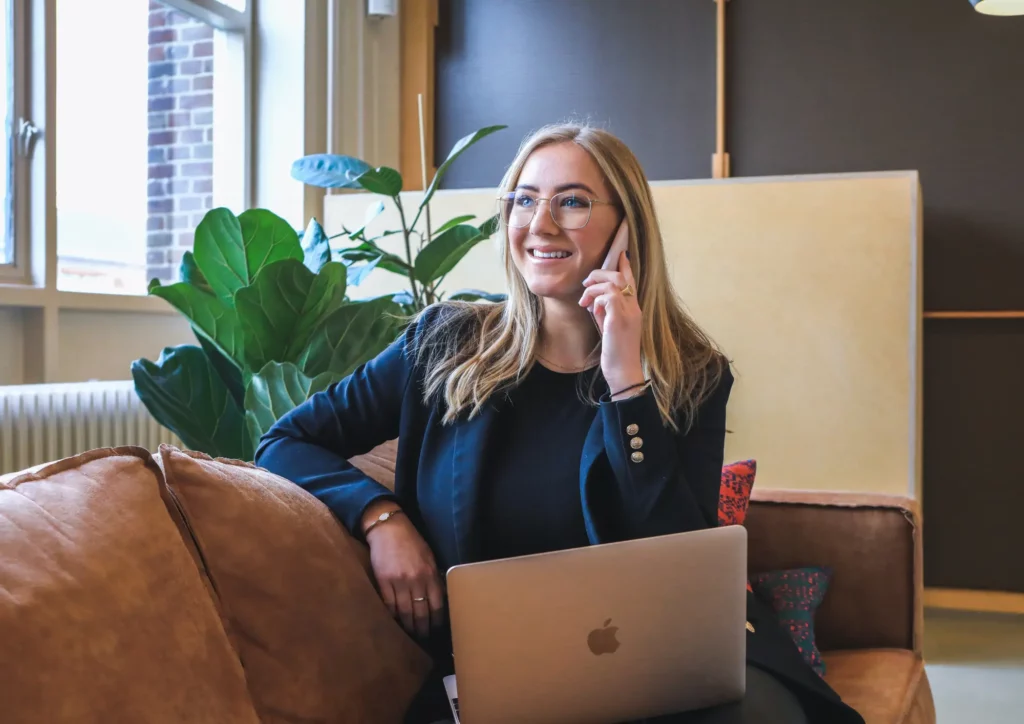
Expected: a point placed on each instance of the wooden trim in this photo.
(979, 601)
(418, 21)
(720, 159)
(1013, 314)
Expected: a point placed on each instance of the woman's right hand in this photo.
(405, 569)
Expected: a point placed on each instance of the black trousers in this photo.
(767, 701)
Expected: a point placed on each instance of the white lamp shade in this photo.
(999, 7)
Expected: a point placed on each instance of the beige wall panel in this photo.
(810, 284)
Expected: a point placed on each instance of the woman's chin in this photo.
(556, 292)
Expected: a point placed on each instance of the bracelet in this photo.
(382, 518)
(645, 383)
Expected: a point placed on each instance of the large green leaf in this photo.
(190, 273)
(442, 254)
(281, 309)
(453, 222)
(383, 180)
(231, 251)
(353, 334)
(186, 395)
(316, 248)
(329, 171)
(368, 251)
(276, 389)
(230, 373)
(210, 315)
(457, 150)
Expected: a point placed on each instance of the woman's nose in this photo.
(542, 224)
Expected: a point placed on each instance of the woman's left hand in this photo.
(619, 320)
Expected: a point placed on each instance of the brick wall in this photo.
(180, 136)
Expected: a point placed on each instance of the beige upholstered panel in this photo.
(812, 286)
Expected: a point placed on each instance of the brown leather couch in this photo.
(171, 587)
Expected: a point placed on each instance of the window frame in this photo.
(18, 269)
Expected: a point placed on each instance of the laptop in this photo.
(602, 634)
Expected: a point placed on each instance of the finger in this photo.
(599, 276)
(387, 592)
(626, 270)
(421, 613)
(592, 293)
(435, 594)
(404, 600)
(601, 312)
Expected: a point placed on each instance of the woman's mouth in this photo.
(548, 255)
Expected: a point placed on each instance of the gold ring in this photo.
(628, 291)
(419, 600)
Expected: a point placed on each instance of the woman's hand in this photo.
(406, 572)
(619, 320)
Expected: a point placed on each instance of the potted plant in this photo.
(270, 309)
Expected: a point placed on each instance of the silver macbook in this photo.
(601, 634)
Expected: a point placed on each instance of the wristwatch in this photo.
(382, 518)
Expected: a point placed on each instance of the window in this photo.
(11, 50)
(151, 128)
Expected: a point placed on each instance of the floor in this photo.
(976, 666)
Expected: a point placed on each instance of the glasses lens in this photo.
(517, 209)
(570, 210)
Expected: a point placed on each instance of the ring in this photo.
(628, 291)
(419, 600)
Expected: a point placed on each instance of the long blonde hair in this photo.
(476, 350)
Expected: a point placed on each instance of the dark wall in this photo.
(814, 87)
(645, 69)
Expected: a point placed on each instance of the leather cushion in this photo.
(103, 616)
(314, 638)
(885, 686)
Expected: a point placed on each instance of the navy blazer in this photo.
(438, 467)
(438, 473)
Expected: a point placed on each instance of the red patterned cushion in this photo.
(734, 497)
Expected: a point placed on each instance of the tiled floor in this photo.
(976, 667)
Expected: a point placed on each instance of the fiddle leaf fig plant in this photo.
(270, 308)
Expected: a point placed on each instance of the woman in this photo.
(535, 424)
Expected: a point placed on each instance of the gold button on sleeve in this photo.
(636, 443)
(637, 457)
(632, 429)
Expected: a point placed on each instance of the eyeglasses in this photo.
(569, 209)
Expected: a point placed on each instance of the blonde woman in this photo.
(506, 412)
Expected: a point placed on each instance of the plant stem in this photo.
(408, 251)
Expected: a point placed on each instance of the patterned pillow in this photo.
(795, 595)
(734, 496)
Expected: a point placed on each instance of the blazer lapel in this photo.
(471, 438)
(593, 450)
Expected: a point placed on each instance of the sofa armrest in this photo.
(871, 541)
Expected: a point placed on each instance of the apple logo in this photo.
(602, 640)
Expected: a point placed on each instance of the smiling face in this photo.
(553, 260)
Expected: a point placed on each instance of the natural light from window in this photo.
(136, 133)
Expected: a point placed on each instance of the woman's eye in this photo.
(524, 201)
(573, 202)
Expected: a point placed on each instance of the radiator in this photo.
(40, 423)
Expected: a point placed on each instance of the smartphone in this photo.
(611, 262)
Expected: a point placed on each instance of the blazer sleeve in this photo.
(311, 444)
(675, 486)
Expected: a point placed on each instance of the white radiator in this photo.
(40, 423)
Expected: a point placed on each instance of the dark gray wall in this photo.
(814, 87)
(642, 68)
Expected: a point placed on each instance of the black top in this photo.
(542, 426)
